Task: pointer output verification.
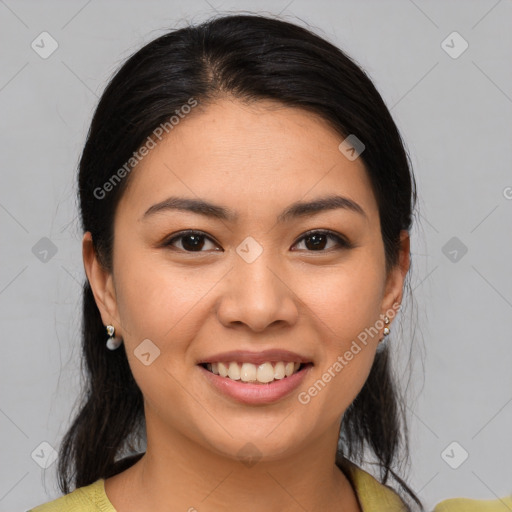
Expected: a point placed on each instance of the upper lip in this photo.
(244, 356)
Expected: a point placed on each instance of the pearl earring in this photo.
(112, 343)
(386, 329)
(386, 332)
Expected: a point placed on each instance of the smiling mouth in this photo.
(264, 373)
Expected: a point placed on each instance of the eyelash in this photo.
(341, 242)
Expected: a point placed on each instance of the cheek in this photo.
(347, 299)
(162, 304)
(346, 302)
(155, 299)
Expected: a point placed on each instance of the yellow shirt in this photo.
(372, 495)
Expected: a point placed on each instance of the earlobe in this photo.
(100, 280)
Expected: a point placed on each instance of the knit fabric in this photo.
(372, 495)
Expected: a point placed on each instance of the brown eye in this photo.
(317, 240)
(191, 241)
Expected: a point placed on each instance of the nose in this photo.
(258, 295)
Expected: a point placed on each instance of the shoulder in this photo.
(373, 496)
(90, 498)
(469, 505)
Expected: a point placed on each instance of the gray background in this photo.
(455, 115)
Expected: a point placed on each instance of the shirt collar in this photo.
(371, 494)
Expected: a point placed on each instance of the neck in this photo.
(180, 474)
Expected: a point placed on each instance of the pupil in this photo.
(195, 242)
(317, 243)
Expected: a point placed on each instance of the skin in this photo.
(255, 159)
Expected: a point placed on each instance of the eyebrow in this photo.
(296, 210)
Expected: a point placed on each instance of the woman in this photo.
(246, 203)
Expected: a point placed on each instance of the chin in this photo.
(272, 441)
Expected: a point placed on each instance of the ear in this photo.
(102, 285)
(396, 277)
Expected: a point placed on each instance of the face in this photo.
(247, 284)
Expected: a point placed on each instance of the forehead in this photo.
(249, 155)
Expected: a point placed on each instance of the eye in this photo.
(191, 241)
(316, 240)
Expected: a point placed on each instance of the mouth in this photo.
(249, 373)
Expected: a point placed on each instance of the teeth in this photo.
(223, 371)
(279, 372)
(265, 373)
(234, 372)
(248, 372)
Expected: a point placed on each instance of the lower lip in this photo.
(248, 393)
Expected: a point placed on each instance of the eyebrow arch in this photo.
(298, 209)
